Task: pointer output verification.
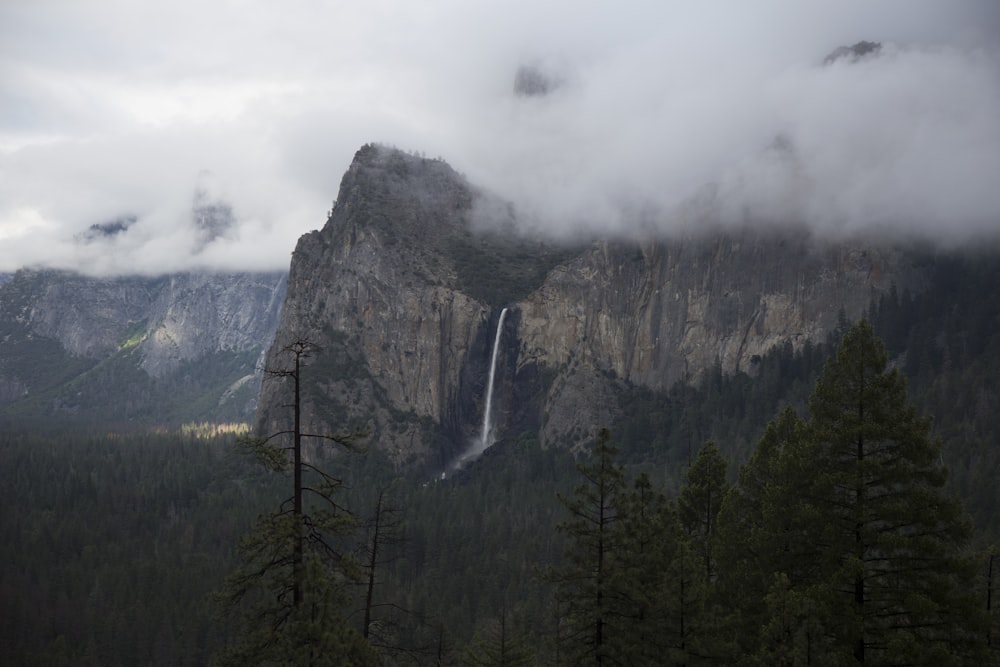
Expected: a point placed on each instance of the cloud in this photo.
(665, 114)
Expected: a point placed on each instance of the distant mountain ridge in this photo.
(135, 349)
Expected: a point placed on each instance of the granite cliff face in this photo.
(375, 293)
(117, 348)
(658, 313)
(401, 294)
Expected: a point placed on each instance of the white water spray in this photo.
(478, 446)
(484, 440)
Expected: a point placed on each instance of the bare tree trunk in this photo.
(372, 562)
(297, 435)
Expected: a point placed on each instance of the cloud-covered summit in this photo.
(654, 118)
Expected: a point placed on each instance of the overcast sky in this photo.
(665, 112)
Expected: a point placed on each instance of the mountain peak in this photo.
(532, 81)
(854, 53)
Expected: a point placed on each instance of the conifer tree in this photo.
(685, 618)
(843, 529)
(633, 590)
(642, 530)
(763, 529)
(898, 578)
(289, 590)
(498, 645)
(700, 500)
(591, 614)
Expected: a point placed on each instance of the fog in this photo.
(656, 118)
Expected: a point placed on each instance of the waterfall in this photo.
(484, 440)
(479, 445)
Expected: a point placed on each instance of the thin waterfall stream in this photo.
(484, 440)
(480, 445)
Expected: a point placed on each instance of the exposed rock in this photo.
(193, 314)
(531, 81)
(212, 219)
(149, 329)
(375, 291)
(170, 319)
(853, 53)
(657, 313)
(406, 325)
(108, 229)
(11, 390)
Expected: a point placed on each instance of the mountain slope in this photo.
(402, 289)
(133, 349)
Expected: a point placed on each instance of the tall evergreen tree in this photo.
(654, 577)
(700, 500)
(633, 590)
(762, 527)
(289, 589)
(644, 530)
(592, 610)
(899, 579)
(498, 645)
(683, 618)
(842, 528)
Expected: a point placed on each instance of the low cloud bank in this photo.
(621, 121)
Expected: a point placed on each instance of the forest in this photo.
(803, 513)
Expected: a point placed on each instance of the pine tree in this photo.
(592, 615)
(634, 587)
(763, 526)
(770, 559)
(897, 574)
(793, 629)
(687, 626)
(289, 590)
(650, 537)
(498, 645)
(839, 545)
(700, 500)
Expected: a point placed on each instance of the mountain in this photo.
(135, 350)
(853, 53)
(402, 289)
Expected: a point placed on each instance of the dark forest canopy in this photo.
(104, 533)
(112, 543)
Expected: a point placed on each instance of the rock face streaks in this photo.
(174, 318)
(405, 341)
(154, 325)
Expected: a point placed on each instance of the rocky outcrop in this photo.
(381, 301)
(169, 319)
(194, 314)
(657, 313)
(853, 53)
(401, 296)
(152, 328)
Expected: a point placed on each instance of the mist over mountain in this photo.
(471, 354)
(403, 288)
(854, 52)
(643, 228)
(534, 81)
(627, 121)
(104, 230)
(213, 219)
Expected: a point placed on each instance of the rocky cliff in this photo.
(401, 292)
(134, 348)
